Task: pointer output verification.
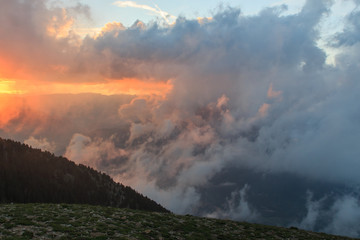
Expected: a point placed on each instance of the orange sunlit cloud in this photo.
(111, 87)
(8, 68)
(9, 108)
(17, 95)
(60, 28)
(124, 86)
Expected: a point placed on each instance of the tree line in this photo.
(30, 175)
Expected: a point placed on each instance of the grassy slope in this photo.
(65, 221)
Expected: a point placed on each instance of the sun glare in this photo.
(8, 87)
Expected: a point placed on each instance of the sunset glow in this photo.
(207, 107)
(124, 86)
(7, 87)
(10, 108)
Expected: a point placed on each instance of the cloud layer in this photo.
(248, 92)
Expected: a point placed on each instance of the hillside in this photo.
(32, 176)
(65, 221)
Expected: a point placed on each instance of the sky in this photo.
(203, 106)
(127, 12)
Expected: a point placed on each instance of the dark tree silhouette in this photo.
(31, 175)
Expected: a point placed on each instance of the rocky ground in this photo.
(66, 221)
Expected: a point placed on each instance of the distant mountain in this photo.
(30, 175)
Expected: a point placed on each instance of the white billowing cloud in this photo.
(165, 128)
(346, 217)
(342, 217)
(313, 208)
(137, 111)
(178, 199)
(95, 153)
(41, 143)
(237, 208)
(138, 130)
(75, 149)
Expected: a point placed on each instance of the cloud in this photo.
(345, 217)
(313, 208)
(99, 152)
(180, 200)
(42, 144)
(58, 117)
(155, 10)
(38, 41)
(237, 207)
(247, 92)
(341, 217)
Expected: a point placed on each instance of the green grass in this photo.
(66, 221)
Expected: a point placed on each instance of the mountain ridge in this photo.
(29, 175)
